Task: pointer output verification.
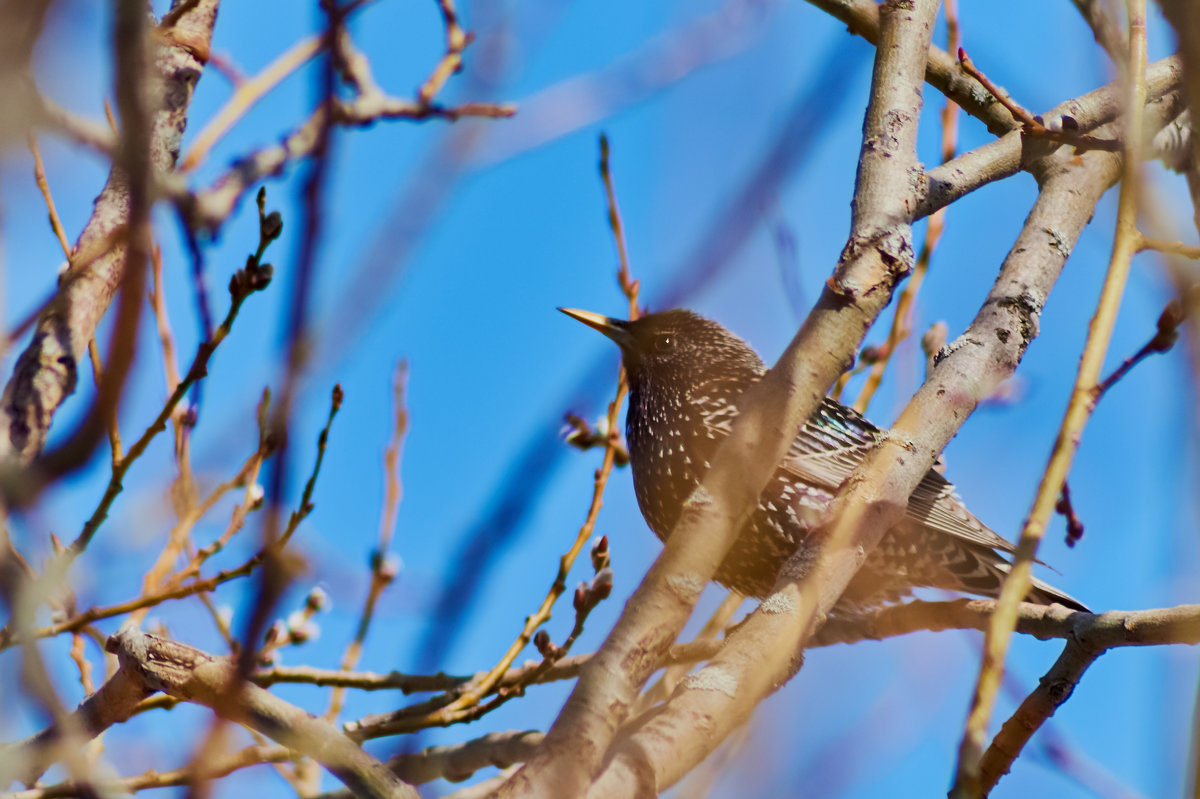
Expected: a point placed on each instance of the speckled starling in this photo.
(686, 376)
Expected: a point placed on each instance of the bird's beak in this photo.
(613, 328)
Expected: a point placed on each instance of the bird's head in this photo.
(675, 344)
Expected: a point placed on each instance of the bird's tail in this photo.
(932, 558)
(1042, 593)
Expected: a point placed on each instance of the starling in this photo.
(686, 376)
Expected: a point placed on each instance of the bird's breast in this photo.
(669, 453)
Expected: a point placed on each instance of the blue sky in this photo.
(464, 269)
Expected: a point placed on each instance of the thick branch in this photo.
(195, 676)
(1054, 689)
(1087, 639)
(47, 371)
(115, 701)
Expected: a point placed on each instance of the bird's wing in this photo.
(830, 446)
(836, 439)
(935, 505)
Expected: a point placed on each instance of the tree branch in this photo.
(191, 675)
(46, 372)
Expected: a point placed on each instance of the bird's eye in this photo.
(663, 343)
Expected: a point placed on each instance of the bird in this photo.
(687, 375)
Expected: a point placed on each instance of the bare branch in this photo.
(115, 702)
(47, 371)
(195, 676)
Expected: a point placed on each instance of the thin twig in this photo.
(629, 287)
(383, 565)
(184, 491)
(156, 579)
(9, 638)
(81, 662)
(153, 778)
(39, 177)
(208, 210)
(1033, 125)
(456, 41)
(246, 94)
(240, 289)
(1169, 247)
(1067, 509)
(448, 709)
(1164, 338)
